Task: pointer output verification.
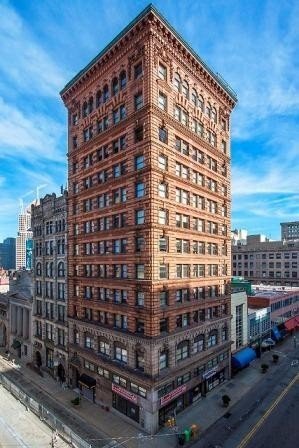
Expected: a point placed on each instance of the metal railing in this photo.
(44, 414)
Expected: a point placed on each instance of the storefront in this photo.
(196, 393)
(125, 402)
(173, 403)
(87, 386)
(212, 379)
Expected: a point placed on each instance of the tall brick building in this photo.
(148, 224)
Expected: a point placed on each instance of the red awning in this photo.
(292, 324)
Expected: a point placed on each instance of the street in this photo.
(266, 416)
(21, 428)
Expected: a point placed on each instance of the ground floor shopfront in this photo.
(148, 408)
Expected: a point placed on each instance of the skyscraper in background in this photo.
(24, 234)
(8, 253)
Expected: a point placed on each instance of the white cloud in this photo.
(25, 63)
(32, 136)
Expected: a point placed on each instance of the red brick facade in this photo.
(149, 218)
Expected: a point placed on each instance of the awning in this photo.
(243, 358)
(292, 324)
(275, 334)
(87, 381)
(16, 344)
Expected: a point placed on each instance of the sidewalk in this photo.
(92, 422)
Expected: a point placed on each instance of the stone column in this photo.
(18, 329)
(13, 319)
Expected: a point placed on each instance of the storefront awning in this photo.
(243, 358)
(87, 381)
(292, 324)
(16, 344)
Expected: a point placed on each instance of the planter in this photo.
(275, 358)
(264, 368)
(76, 401)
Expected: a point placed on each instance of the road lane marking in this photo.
(267, 413)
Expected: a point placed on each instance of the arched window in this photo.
(214, 115)
(224, 333)
(198, 343)
(115, 86)
(209, 110)
(105, 93)
(90, 104)
(85, 109)
(76, 336)
(213, 338)
(182, 351)
(49, 269)
(194, 97)
(177, 82)
(185, 89)
(98, 98)
(201, 103)
(120, 352)
(38, 269)
(61, 269)
(123, 79)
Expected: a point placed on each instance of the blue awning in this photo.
(243, 358)
(275, 334)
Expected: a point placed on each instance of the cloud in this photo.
(32, 136)
(25, 63)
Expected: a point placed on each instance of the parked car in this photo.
(268, 343)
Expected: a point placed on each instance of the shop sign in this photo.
(173, 394)
(209, 373)
(124, 393)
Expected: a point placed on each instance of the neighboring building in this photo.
(149, 224)
(290, 231)
(8, 253)
(240, 284)
(50, 333)
(4, 322)
(239, 236)
(267, 262)
(20, 315)
(259, 325)
(239, 320)
(4, 281)
(24, 234)
(283, 301)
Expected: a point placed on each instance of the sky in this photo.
(253, 44)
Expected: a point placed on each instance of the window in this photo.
(162, 101)
(139, 326)
(162, 162)
(98, 98)
(105, 93)
(163, 360)
(197, 127)
(194, 98)
(212, 339)
(138, 133)
(209, 110)
(138, 71)
(201, 103)
(163, 135)
(123, 80)
(177, 82)
(140, 243)
(140, 271)
(162, 216)
(182, 351)
(140, 298)
(121, 354)
(163, 295)
(139, 216)
(162, 72)
(181, 115)
(164, 325)
(119, 380)
(163, 244)
(61, 272)
(139, 162)
(198, 343)
(163, 270)
(185, 89)
(139, 190)
(138, 101)
(115, 86)
(104, 347)
(88, 341)
(224, 146)
(162, 190)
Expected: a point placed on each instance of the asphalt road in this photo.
(231, 431)
(20, 428)
(281, 426)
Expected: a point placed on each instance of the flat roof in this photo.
(151, 8)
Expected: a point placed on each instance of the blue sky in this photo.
(253, 44)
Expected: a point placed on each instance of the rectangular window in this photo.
(138, 72)
(139, 190)
(139, 216)
(162, 101)
(138, 101)
(139, 162)
(162, 72)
